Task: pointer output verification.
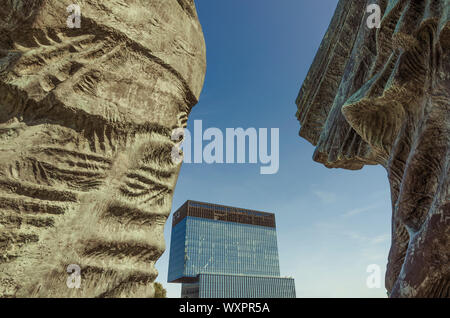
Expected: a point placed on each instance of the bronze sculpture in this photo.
(88, 103)
(381, 96)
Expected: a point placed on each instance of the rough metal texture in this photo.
(86, 117)
(382, 96)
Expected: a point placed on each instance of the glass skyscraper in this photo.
(226, 252)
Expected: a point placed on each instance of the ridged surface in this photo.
(383, 97)
(86, 117)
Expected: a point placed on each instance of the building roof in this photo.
(223, 213)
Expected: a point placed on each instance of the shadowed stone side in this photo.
(382, 96)
(86, 117)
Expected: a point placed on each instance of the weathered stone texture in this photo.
(86, 116)
(382, 96)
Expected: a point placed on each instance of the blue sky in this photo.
(331, 224)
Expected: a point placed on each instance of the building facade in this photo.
(226, 252)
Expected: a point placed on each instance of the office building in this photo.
(226, 252)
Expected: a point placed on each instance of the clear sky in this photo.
(331, 224)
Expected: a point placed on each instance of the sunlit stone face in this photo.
(86, 116)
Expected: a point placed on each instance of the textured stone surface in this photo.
(382, 96)
(86, 117)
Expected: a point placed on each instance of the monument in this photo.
(89, 97)
(381, 95)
